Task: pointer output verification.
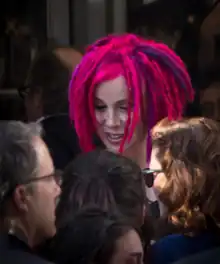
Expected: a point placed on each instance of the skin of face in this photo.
(37, 207)
(111, 111)
(46, 191)
(159, 178)
(128, 249)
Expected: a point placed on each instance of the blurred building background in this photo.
(191, 27)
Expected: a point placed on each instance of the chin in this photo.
(113, 149)
(51, 233)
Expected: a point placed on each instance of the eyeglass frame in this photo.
(148, 172)
(8, 191)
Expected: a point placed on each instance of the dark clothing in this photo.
(61, 139)
(176, 247)
(209, 256)
(13, 250)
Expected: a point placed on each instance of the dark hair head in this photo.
(89, 238)
(189, 152)
(50, 77)
(111, 182)
(18, 160)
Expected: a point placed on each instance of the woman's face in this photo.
(160, 179)
(111, 110)
(128, 249)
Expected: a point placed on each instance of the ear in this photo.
(20, 198)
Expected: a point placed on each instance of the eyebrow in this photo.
(123, 101)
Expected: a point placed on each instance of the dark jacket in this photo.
(210, 256)
(175, 247)
(61, 138)
(13, 250)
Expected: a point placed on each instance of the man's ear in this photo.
(20, 198)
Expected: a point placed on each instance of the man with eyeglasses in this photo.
(28, 192)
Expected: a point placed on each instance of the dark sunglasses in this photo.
(149, 176)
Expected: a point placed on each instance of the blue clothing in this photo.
(175, 247)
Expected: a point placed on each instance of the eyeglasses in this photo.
(56, 176)
(149, 175)
(6, 190)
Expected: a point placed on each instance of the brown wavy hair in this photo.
(189, 152)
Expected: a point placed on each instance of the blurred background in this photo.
(191, 27)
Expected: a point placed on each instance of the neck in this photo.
(25, 232)
(138, 153)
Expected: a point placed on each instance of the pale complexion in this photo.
(35, 207)
(159, 177)
(111, 110)
(128, 249)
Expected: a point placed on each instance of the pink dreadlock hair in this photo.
(167, 82)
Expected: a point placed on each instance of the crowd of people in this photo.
(107, 168)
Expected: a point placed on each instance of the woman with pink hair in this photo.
(123, 86)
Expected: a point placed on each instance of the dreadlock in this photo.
(140, 61)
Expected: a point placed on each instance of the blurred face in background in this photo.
(210, 101)
(128, 249)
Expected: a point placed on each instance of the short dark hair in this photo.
(89, 238)
(110, 181)
(50, 76)
(18, 158)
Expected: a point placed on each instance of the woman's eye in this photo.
(124, 108)
(100, 107)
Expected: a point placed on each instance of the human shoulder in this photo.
(208, 256)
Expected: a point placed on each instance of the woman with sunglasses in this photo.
(185, 160)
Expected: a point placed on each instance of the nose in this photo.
(112, 119)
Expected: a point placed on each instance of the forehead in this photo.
(113, 90)
(45, 163)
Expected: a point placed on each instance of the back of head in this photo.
(111, 182)
(50, 74)
(89, 238)
(189, 153)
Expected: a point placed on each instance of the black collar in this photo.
(11, 242)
